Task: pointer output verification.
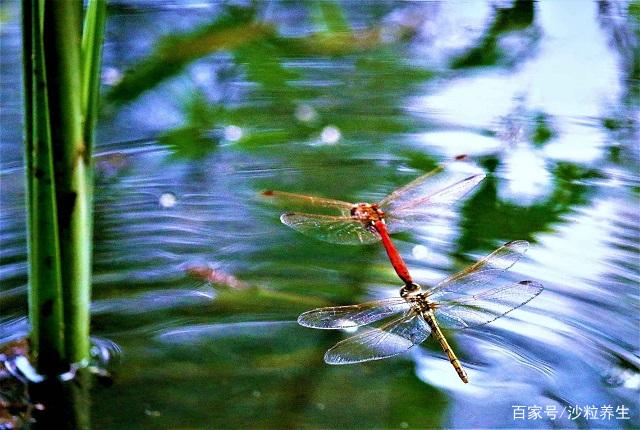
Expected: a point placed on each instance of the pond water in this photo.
(206, 104)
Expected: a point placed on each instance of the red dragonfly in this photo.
(466, 299)
(425, 198)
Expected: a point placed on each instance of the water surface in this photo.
(350, 101)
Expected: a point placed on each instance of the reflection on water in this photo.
(351, 101)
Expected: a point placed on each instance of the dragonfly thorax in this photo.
(367, 212)
(420, 302)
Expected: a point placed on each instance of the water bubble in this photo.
(320, 406)
(305, 113)
(104, 351)
(151, 412)
(111, 76)
(232, 133)
(167, 200)
(257, 394)
(420, 252)
(404, 425)
(330, 134)
(202, 73)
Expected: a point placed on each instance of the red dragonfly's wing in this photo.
(299, 201)
(342, 230)
(354, 315)
(392, 338)
(470, 297)
(487, 306)
(428, 197)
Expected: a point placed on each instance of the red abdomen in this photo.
(394, 256)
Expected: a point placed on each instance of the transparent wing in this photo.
(432, 208)
(426, 184)
(388, 340)
(300, 201)
(481, 276)
(427, 197)
(335, 229)
(354, 315)
(487, 306)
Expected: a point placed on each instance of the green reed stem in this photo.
(72, 165)
(45, 290)
(61, 78)
(92, 41)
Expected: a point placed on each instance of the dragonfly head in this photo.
(378, 211)
(367, 213)
(408, 289)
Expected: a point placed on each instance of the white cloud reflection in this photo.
(527, 176)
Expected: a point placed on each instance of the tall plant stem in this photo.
(92, 41)
(61, 77)
(45, 289)
(72, 165)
